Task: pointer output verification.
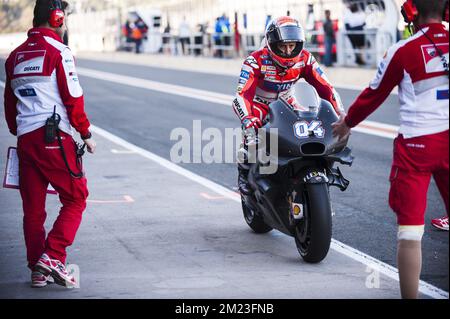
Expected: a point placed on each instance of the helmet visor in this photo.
(286, 34)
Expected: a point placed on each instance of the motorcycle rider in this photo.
(269, 74)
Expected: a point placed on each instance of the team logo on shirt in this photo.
(245, 74)
(29, 62)
(299, 65)
(431, 52)
(431, 57)
(277, 86)
(252, 62)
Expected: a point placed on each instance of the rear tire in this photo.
(313, 233)
(253, 220)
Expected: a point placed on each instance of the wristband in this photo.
(88, 136)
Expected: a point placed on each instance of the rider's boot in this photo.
(244, 187)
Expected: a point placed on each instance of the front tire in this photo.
(253, 220)
(313, 233)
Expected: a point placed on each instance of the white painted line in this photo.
(158, 86)
(374, 132)
(210, 197)
(389, 271)
(165, 163)
(367, 127)
(189, 68)
(381, 126)
(114, 151)
(126, 199)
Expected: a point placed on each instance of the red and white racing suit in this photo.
(40, 74)
(261, 82)
(422, 147)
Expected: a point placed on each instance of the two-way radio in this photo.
(52, 132)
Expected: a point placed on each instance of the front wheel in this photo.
(253, 220)
(313, 233)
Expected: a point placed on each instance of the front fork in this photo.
(331, 176)
(296, 197)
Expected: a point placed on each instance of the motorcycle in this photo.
(295, 199)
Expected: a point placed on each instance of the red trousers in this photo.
(39, 165)
(415, 161)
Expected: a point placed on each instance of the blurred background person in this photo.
(166, 39)
(136, 37)
(218, 37)
(226, 30)
(126, 33)
(310, 25)
(184, 32)
(268, 19)
(354, 21)
(329, 38)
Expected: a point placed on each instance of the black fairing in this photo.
(282, 117)
(298, 158)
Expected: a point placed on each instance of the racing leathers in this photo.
(263, 81)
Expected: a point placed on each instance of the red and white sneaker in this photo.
(39, 280)
(56, 269)
(441, 223)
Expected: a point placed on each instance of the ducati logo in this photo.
(431, 52)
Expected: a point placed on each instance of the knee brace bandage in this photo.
(408, 232)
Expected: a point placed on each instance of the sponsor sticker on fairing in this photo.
(304, 129)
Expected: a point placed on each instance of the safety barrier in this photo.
(369, 51)
(374, 44)
(251, 42)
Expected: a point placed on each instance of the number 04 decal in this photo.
(304, 129)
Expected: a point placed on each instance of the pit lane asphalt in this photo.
(363, 219)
